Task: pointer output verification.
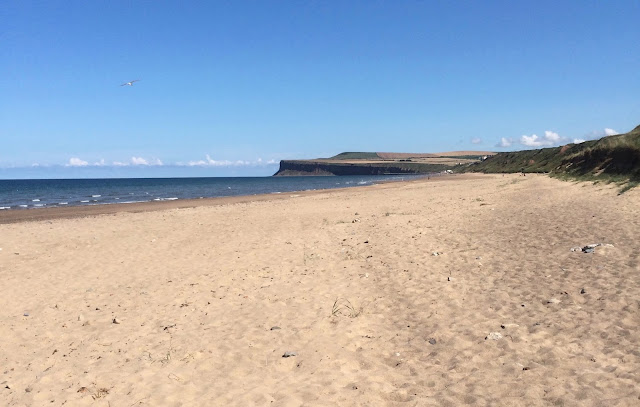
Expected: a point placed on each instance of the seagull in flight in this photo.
(130, 83)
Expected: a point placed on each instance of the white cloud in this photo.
(596, 134)
(138, 161)
(209, 162)
(550, 138)
(476, 140)
(150, 162)
(76, 162)
(532, 141)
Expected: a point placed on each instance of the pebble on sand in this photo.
(289, 354)
(590, 248)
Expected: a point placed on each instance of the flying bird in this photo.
(130, 83)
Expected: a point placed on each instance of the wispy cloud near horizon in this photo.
(134, 161)
(76, 162)
(137, 161)
(209, 162)
(505, 142)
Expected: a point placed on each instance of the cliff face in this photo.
(312, 167)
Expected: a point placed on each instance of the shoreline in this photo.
(81, 211)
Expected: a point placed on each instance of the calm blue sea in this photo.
(31, 194)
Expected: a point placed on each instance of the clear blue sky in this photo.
(231, 87)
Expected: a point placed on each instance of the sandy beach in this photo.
(462, 290)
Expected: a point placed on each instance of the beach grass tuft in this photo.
(342, 306)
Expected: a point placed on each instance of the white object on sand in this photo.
(494, 336)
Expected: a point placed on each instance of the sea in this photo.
(49, 193)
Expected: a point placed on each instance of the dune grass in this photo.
(609, 159)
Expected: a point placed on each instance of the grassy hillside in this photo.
(613, 158)
(469, 155)
(355, 156)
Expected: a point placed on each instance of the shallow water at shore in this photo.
(34, 194)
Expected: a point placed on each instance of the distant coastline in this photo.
(366, 163)
(613, 158)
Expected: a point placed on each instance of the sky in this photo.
(229, 88)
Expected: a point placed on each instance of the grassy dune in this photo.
(609, 159)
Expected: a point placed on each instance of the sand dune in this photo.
(197, 306)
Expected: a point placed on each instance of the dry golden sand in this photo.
(196, 291)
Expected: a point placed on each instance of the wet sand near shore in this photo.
(452, 291)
